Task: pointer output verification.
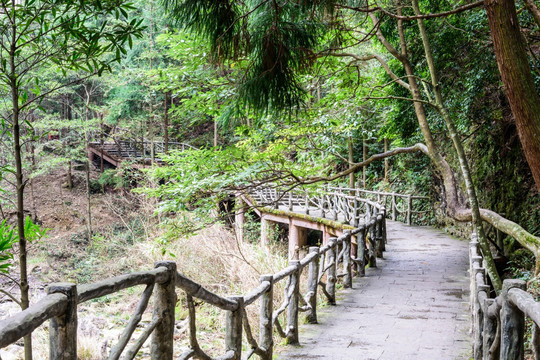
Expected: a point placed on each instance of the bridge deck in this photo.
(413, 306)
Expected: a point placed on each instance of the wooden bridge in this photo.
(414, 310)
(138, 153)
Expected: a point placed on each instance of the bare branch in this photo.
(533, 9)
(381, 61)
(416, 17)
(10, 296)
(391, 49)
(418, 147)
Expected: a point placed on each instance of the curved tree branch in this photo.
(417, 147)
(380, 60)
(415, 17)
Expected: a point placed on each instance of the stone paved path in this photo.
(413, 306)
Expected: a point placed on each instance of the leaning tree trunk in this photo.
(463, 162)
(454, 207)
(517, 78)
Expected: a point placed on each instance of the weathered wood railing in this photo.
(341, 257)
(407, 208)
(337, 203)
(59, 306)
(499, 323)
(326, 264)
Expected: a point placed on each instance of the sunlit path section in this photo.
(413, 306)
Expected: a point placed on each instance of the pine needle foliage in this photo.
(281, 49)
(278, 38)
(216, 20)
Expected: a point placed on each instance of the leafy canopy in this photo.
(279, 39)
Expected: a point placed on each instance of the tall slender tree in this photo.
(63, 34)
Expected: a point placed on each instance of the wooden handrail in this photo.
(162, 280)
(499, 323)
(23, 323)
(195, 289)
(115, 284)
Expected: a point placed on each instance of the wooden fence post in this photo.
(290, 201)
(162, 347)
(63, 328)
(313, 279)
(535, 341)
(512, 323)
(347, 281)
(361, 257)
(331, 275)
(409, 209)
(379, 236)
(233, 329)
(292, 310)
(479, 319)
(490, 330)
(355, 219)
(334, 207)
(384, 238)
(265, 333)
(239, 217)
(393, 207)
(367, 214)
(372, 247)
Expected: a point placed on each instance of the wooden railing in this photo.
(346, 204)
(60, 304)
(499, 323)
(407, 208)
(325, 266)
(149, 148)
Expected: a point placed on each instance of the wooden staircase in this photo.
(115, 152)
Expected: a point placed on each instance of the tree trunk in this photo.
(533, 9)
(454, 208)
(31, 180)
(88, 198)
(100, 142)
(386, 164)
(88, 167)
(351, 161)
(25, 298)
(364, 157)
(464, 164)
(517, 78)
(216, 132)
(69, 176)
(166, 123)
(151, 133)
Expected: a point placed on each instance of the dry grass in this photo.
(224, 265)
(213, 258)
(126, 240)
